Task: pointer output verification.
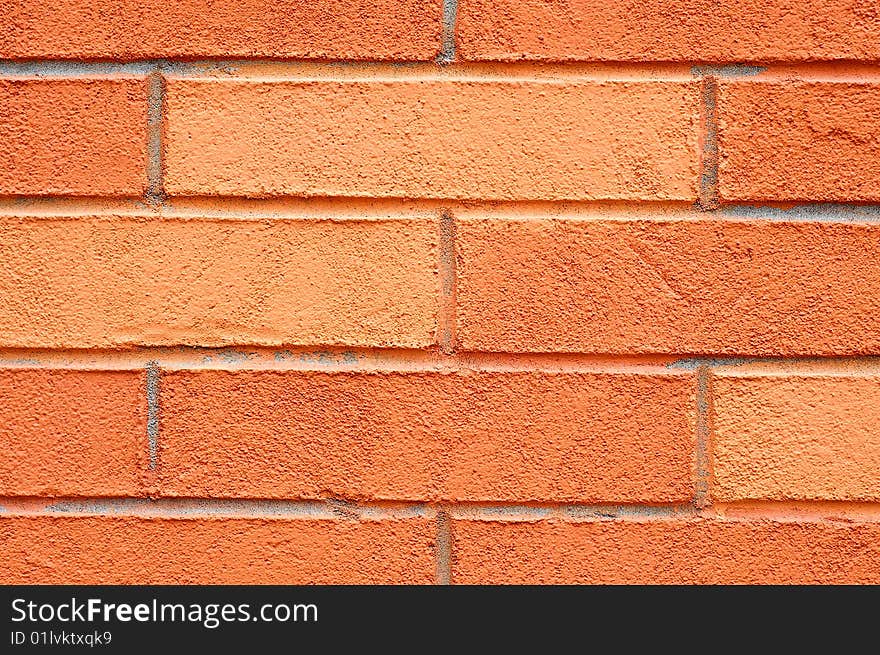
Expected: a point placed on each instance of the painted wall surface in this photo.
(405, 291)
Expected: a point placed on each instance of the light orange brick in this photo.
(665, 286)
(469, 436)
(796, 437)
(799, 141)
(665, 551)
(668, 30)
(78, 137)
(118, 281)
(413, 138)
(72, 433)
(132, 29)
(132, 550)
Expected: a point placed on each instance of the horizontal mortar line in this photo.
(349, 358)
(835, 365)
(213, 507)
(281, 205)
(801, 212)
(535, 511)
(279, 68)
(74, 68)
(37, 202)
(327, 359)
(223, 208)
(343, 209)
(830, 70)
(340, 509)
(332, 70)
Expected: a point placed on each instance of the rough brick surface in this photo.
(668, 286)
(131, 29)
(68, 433)
(605, 271)
(130, 550)
(78, 137)
(427, 436)
(804, 141)
(103, 282)
(785, 436)
(665, 552)
(434, 139)
(668, 30)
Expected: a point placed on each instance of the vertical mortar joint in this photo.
(444, 548)
(447, 268)
(709, 198)
(153, 375)
(155, 194)
(703, 453)
(447, 47)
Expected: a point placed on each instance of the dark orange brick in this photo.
(664, 286)
(129, 550)
(79, 137)
(668, 30)
(427, 435)
(70, 433)
(131, 29)
(799, 141)
(665, 552)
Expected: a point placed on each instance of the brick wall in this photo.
(398, 291)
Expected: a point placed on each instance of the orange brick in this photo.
(799, 141)
(104, 282)
(665, 552)
(129, 550)
(81, 137)
(433, 139)
(427, 435)
(796, 437)
(668, 30)
(666, 286)
(129, 29)
(68, 433)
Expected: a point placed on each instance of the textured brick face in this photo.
(427, 436)
(131, 29)
(110, 281)
(434, 139)
(804, 141)
(668, 30)
(79, 137)
(72, 433)
(414, 291)
(674, 287)
(115, 550)
(790, 437)
(665, 552)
